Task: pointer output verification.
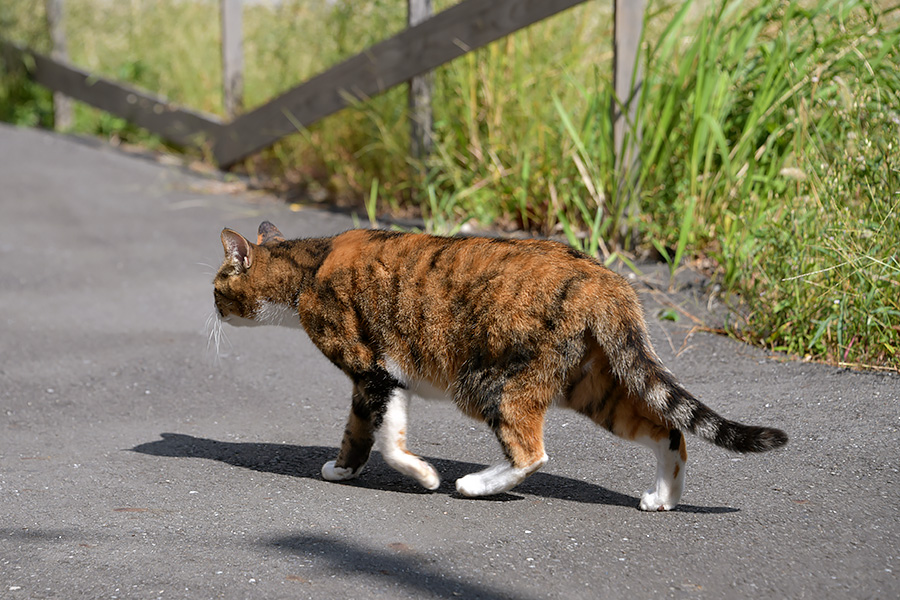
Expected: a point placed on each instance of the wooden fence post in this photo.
(629, 22)
(421, 118)
(62, 105)
(232, 57)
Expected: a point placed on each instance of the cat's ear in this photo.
(268, 233)
(238, 250)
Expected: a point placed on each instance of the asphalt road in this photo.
(136, 463)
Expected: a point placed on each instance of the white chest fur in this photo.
(418, 387)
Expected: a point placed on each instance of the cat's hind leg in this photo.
(391, 438)
(596, 394)
(670, 459)
(497, 479)
(520, 430)
(631, 421)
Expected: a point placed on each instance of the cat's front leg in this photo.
(378, 415)
(356, 445)
(391, 438)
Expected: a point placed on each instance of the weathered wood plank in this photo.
(629, 19)
(628, 80)
(62, 105)
(421, 117)
(154, 113)
(449, 34)
(232, 56)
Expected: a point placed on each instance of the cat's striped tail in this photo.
(635, 363)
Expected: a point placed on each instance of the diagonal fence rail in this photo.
(447, 35)
(422, 47)
(154, 113)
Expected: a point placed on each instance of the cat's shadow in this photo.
(307, 461)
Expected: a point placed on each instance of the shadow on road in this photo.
(397, 564)
(307, 461)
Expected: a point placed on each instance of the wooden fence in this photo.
(428, 42)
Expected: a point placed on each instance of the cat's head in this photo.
(246, 288)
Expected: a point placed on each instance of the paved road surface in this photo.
(136, 464)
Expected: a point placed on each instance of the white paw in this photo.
(496, 479)
(652, 501)
(334, 473)
(414, 467)
(472, 486)
(429, 477)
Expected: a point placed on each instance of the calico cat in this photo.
(505, 328)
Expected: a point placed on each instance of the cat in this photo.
(505, 328)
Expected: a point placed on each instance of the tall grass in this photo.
(769, 146)
(776, 125)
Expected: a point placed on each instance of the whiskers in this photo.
(215, 334)
(212, 270)
(216, 339)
